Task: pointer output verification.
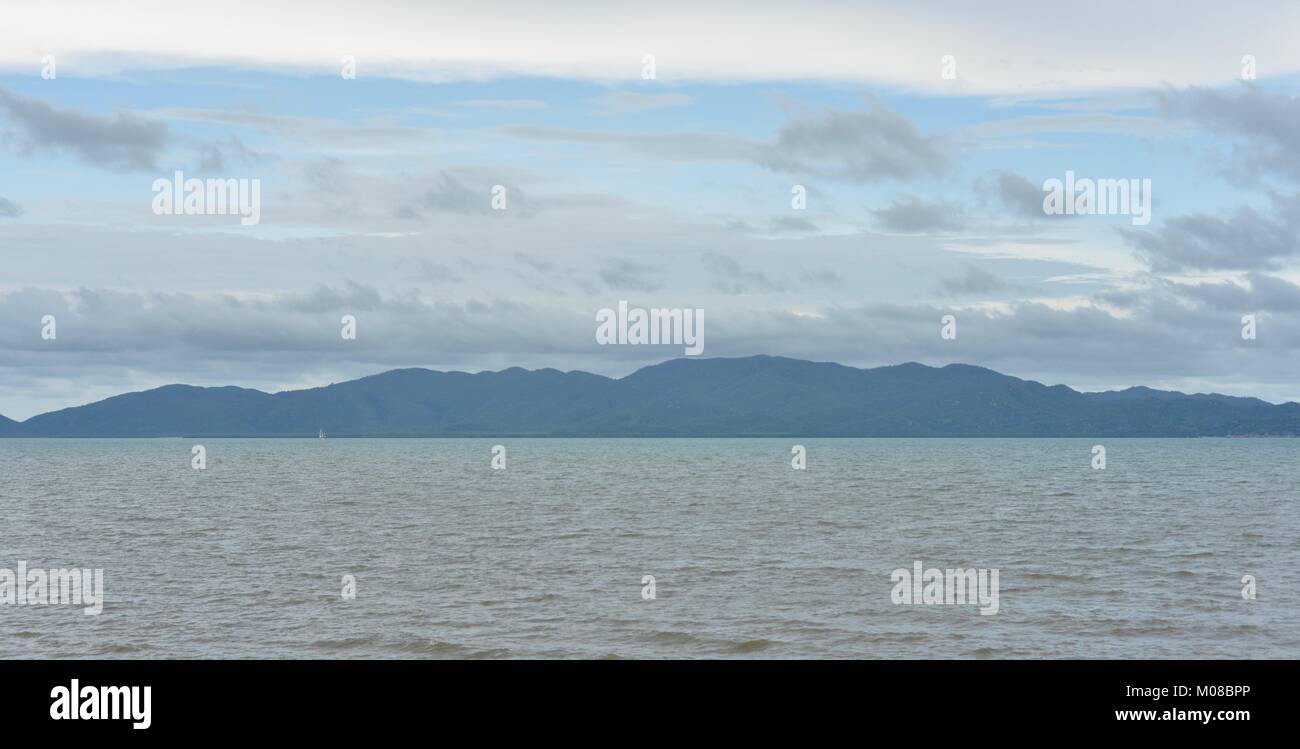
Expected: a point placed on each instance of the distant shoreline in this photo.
(645, 437)
(747, 397)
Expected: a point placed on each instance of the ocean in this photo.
(551, 557)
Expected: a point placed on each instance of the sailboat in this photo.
(321, 435)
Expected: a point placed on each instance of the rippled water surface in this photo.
(751, 558)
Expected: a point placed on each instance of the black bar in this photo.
(987, 699)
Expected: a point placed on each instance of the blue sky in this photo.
(464, 120)
(924, 193)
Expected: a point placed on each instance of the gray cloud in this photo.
(536, 263)
(451, 194)
(915, 216)
(624, 274)
(851, 145)
(9, 209)
(326, 175)
(1264, 120)
(973, 281)
(1013, 194)
(123, 142)
(821, 277)
(729, 277)
(856, 145)
(1022, 198)
(1263, 293)
(428, 271)
(352, 297)
(792, 224)
(214, 157)
(1246, 240)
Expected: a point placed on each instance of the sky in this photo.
(920, 135)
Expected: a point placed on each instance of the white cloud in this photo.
(1015, 47)
(631, 102)
(502, 103)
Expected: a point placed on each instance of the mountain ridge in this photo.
(756, 396)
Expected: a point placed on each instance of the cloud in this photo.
(316, 131)
(430, 272)
(729, 277)
(915, 216)
(1265, 121)
(657, 146)
(1017, 49)
(1022, 198)
(851, 145)
(856, 145)
(123, 142)
(820, 277)
(537, 264)
(973, 281)
(1262, 292)
(629, 102)
(214, 157)
(9, 209)
(1103, 123)
(1245, 240)
(450, 194)
(625, 274)
(792, 225)
(352, 296)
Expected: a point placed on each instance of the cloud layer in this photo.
(1016, 48)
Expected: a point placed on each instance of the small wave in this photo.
(540, 598)
(1113, 628)
(119, 648)
(669, 636)
(1052, 576)
(344, 644)
(893, 637)
(429, 646)
(440, 647)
